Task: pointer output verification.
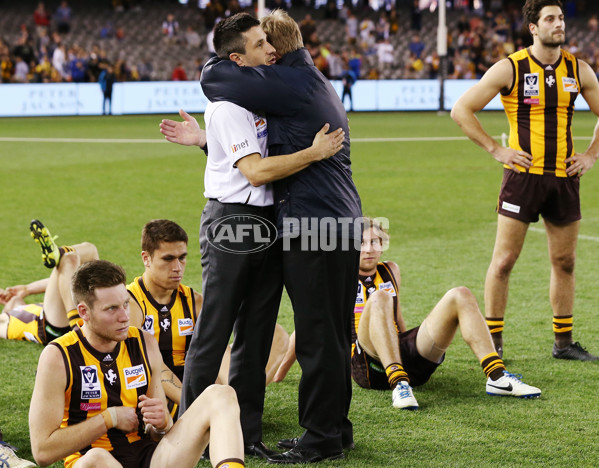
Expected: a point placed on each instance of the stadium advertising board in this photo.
(22, 100)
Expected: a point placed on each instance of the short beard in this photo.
(553, 43)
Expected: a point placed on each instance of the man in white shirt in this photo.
(241, 259)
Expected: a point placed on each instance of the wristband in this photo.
(113, 416)
(107, 419)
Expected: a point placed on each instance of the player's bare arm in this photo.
(50, 442)
(499, 77)
(583, 162)
(260, 171)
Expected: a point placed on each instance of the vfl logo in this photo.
(550, 80)
(185, 327)
(135, 377)
(165, 324)
(360, 294)
(531, 84)
(111, 377)
(241, 234)
(90, 385)
(148, 323)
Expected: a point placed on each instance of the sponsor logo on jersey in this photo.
(569, 84)
(135, 377)
(90, 385)
(107, 358)
(531, 101)
(238, 146)
(388, 286)
(185, 326)
(148, 323)
(90, 406)
(531, 84)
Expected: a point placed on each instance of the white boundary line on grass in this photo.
(580, 236)
(156, 140)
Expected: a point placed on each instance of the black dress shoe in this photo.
(287, 443)
(258, 449)
(290, 443)
(298, 455)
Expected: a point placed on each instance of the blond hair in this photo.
(282, 32)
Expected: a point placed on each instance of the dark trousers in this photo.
(242, 293)
(322, 288)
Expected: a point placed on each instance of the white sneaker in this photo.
(403, 397)
(511, 385)
(10, 460)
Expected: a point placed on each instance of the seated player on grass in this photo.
(387, 355)
(98, 400)
(41, 323)
(165, 307)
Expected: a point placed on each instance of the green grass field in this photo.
(439, 196)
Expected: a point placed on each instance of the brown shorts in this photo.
(525, 196)
(370, 373)
(137, 455)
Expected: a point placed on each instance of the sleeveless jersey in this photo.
(539, 108)
(384, 280)
(96, 381)
(172, 324)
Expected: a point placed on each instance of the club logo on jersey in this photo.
(90, 406)
(148, 323)
(111, 377)
(90, 385)
(135, 377)
(569, 84)
(531, 84)
(550, 80)
(185, 326)
(388, 287)
(165, 324)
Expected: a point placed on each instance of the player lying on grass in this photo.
(387, 355)
(98, 401)
(41, 323)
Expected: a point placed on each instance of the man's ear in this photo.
(237, 58)
(145, 256)
(83, 311)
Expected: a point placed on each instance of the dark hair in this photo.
(228, 36)
(93, 275)
(532, 9)
(161, 230)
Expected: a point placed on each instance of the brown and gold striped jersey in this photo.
(97, 381)
(539, 107)
(383, 279)
(172, 324)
